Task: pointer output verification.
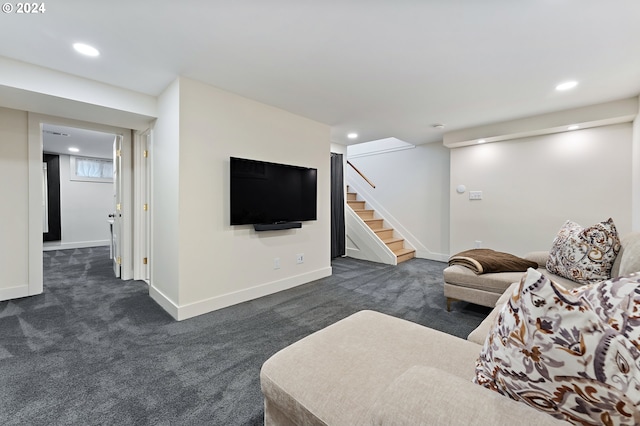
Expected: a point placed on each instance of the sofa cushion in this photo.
(430, 396)
(628, 259)
(570, 353)
(335, 375)
(585, 255)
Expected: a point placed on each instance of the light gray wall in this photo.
(413, 187)
(531, 186)
(211, 263)
(14, 192)
(84, 210)
(164, 199)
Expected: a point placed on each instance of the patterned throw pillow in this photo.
(584, 255)
(571, 353)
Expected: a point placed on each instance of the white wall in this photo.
(531, 186)
(217, 264)
(413, 187)
(164, 203)
(14, 192)
(41, 90)
(635, 179)
(84, 210)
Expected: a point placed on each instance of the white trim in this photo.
(74, 245)
(212, 304)
(367, 244)
(164, 302)
(140, 228)
(15, 292)
(126, 237)
(35, 122)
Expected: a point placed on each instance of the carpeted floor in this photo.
(94, 350)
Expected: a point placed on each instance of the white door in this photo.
(116, 231)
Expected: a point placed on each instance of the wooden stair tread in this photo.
(392, 240)
(402, 251)
(383, 229)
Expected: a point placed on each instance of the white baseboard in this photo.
(55, 245)
(212, 304)
(14, 292)
(424, 254)
(164, 302)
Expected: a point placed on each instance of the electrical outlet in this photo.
(475, 195)
(276, 263)
(300, 258)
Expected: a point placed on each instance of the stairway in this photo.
(377, 225)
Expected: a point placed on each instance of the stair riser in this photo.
(351, 196)
(375, 223)
(356, 205)
(406, 257)
(396, 245)
(385, 234)
(365, 214)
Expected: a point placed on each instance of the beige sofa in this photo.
(374, 369)
(461, 283)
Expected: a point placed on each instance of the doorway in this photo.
(35, 135)
(80, 187)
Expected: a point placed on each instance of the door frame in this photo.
(142, 204)
(35, 155)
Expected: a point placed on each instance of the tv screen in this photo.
(270, 193)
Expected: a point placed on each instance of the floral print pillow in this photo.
(584, 255)
(571, 353)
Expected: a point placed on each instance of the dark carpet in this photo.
(94, 350)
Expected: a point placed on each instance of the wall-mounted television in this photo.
(274, 195)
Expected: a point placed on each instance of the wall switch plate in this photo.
(300, 258)
(276, 263)
(475, 195)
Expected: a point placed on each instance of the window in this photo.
(91, 169)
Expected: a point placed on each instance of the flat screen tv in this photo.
(270, 193)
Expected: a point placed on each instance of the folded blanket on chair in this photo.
(484, 261)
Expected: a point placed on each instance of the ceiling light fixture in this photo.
(85, 49)
(566, 85)
(573, 127)
(482, 140)
(73, 149)
(438, 126)
(352, 136)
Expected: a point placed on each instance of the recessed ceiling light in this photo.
(482, 140)
(85, 49)
(573, 127)
(73, 149)
(567, 85)
(352, 135)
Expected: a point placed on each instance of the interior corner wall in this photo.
(635, 180)
(220, 265)
(14, 219)
(413, 187)
(164, 208)
(531, 186)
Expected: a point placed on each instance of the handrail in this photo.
(360, 173)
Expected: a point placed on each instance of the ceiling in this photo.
(58, 140)
(378, 68)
